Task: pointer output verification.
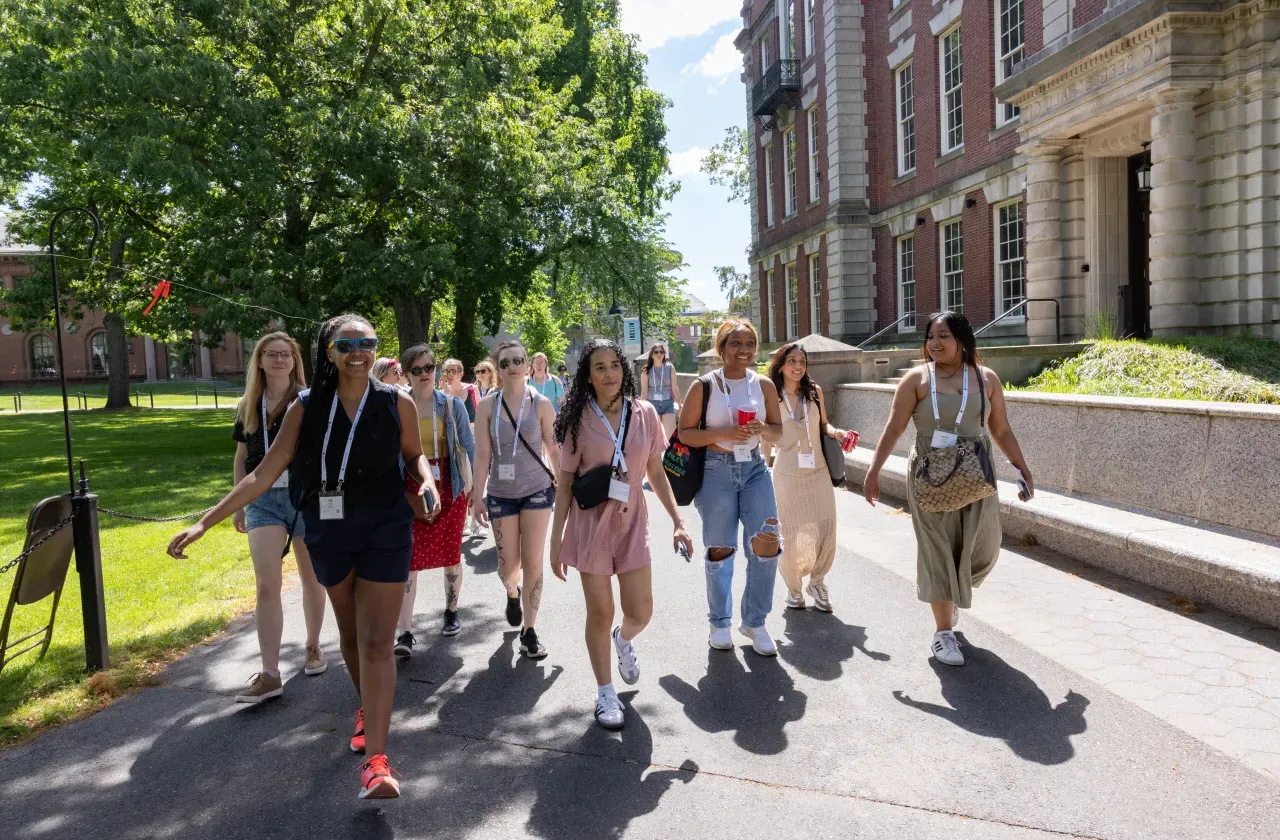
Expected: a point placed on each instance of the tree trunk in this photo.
(469, 348)
(117, 341)
(307, 348)
(413, 319)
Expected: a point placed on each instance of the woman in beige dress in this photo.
(806, 496)
(955, 550)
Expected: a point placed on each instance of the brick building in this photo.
(892, 142)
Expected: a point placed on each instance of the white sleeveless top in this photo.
(742, 392)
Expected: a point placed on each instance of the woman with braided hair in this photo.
(345, 443)
(604, 426)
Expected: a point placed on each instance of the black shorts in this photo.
(376, 545)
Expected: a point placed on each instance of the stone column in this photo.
(1044, 238)
(1175, 293)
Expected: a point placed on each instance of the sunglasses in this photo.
(514, 361)
(451, 372)
(418, 371)
(346, 345)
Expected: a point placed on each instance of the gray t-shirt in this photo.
(530, 474)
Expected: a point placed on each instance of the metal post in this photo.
(152, 395)
(93, 605)
(197, 395)
(215, 396)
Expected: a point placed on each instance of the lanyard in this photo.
(725, 393)
(435, 428)
(351, 436)
(933, 389)
(662, 378)
(515, 437)
(804, 417)
(266, 436)
(617, 437)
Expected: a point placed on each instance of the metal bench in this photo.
(41, 572)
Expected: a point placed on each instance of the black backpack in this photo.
(684, 464)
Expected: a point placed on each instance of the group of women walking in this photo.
(375, 470)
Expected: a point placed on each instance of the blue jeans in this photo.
(734, 493)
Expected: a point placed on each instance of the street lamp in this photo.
(615, 309)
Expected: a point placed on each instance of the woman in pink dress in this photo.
(604, 425)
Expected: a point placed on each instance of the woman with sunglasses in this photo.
(516, 422)
(273, 380)
(544, 383)
(437, 536)
(659, 386)
(387, 371)
(346, 444)
(451, 383)
(486, 379)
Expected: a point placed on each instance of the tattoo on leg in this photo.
(535, 596)
(451, 589)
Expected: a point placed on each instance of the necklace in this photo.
(952, 374)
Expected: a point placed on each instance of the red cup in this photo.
(746, 414)
(849, 442)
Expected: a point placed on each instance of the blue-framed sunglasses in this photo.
(346, 345)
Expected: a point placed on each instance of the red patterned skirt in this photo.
(438, 545)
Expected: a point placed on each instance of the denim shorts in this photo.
(664, 406)
(502, 508)
(273, 508)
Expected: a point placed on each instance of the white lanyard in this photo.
(933, 389)
(725, 393)
(618, 460)
(662, 378)
(435, 427)
(804, 417)
(515, 438)
(351, 436)
(266, 437)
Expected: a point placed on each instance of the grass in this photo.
(48, 396)
(159, 463)
(1243, 369)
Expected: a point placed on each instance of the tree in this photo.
(727, 164)
(737, 288)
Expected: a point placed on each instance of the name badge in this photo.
(942, 439)
(619, 490)
(808, 461)
(282, 481)
(331, 504)
(435, 471)
(661, 394)
(506, 472)
(742, 452)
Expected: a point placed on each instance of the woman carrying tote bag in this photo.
(958, 408)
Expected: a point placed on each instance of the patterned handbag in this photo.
(954, 477)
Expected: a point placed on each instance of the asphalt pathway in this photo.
(852, 732)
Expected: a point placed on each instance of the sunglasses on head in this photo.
(418, 371)
(514, 361)
(346, 345)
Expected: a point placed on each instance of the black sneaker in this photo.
(404, 644)
(451, 623)
(529, 644)
(515, 615)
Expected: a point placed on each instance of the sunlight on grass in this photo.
(47, 396)
(160, 463)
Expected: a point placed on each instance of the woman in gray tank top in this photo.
(658, 385)
(517, 476)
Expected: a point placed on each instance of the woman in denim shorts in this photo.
(513, 425)
(659, 386)
(272, 381)
(742, 409)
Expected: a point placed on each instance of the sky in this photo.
(693, 62)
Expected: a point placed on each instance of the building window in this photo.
(810, 36)
(907, 282)
(793, 302)
(952, 267)
(1009, 43)
(814, 174)
(815, 290)
(906, 119)
(98, 354)
(43, 360)
(768, 315)
(768, 184)
(764, 54)
(952, 99)
(1011, 267)
(789, 144)
(788, 30)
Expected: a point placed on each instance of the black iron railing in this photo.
(775, 87)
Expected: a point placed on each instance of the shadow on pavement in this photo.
(481, 557)
(502, 689)
(821, 643)
(754, 700)
(991, 698)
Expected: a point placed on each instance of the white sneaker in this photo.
(628, 666)
(720, 638)
(821, 598)
(946, 648)
(761, 642)
(795, 601)
(609, 713)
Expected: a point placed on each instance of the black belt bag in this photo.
(591, 489)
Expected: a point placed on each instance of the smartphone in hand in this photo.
(1024, 492)
(682, 551)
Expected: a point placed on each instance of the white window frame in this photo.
(815, 185)
(815, 293)
(951, 98)
(793, 301)
(906, 123)
(1014, 258)
(787, 32)
(789, 184)
(1005, 113)
(768, 185)
(951, 274)
(906, 277)
(810, 37)
(764, 54)
(769, 322)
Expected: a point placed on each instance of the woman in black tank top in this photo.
(344, 444)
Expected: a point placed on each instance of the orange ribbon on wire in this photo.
(161, 291)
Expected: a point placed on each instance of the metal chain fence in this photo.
(137, 518)
(62, 523)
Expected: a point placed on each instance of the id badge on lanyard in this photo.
(332, 505)
(942, 439)
(660, 389)
(806, 460)
(742, 452)
(507, 471)
(435, 438)
(283, 480)
(619, 487)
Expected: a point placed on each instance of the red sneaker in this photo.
(357, 740)
(376, 780)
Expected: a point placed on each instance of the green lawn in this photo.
(164, 395)
(155, 463)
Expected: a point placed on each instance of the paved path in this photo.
(852, 732)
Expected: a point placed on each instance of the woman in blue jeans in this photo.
(736, 486)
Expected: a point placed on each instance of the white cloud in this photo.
(722, 63)
(659, 21)
(687, 162)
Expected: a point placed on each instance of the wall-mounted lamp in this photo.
(919, 221)
(1144, 171)
(971, 202)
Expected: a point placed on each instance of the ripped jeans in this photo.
(737, 493)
